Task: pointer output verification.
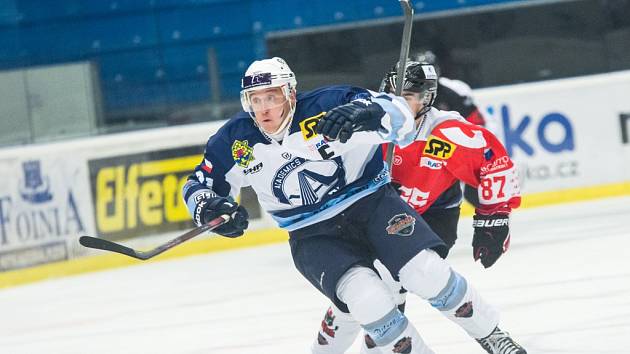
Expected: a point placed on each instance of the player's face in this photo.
(415, 101)
(270, 107)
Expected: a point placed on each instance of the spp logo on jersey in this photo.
(307, 126)
(439, 148)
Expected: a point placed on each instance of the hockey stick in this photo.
(102, 244)
(402, 63)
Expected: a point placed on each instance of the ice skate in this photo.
(499, 342)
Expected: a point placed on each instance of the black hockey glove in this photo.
(491, 238)
(342, 121)
(210, 207)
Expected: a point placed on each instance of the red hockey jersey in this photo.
(447, 150)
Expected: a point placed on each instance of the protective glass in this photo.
(260, 101)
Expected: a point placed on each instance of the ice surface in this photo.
(564, 287)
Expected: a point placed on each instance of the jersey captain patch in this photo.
(242, 153)
(439, 148)
(307, 126)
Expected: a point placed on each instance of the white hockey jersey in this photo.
(304, 179)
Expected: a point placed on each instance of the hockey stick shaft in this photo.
(106, 245)
(402, 64)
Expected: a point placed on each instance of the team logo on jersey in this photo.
(303, 182)
(242, 153)
(401, 224)
(307, 126)
(439, 148)
(398, 160)
(431, 163)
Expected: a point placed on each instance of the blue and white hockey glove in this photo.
(491, 237)
(211, 206)
(342, 121)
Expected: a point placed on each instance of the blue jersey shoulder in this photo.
(327, 97)
(316, 102)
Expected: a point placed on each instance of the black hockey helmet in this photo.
(419, 77)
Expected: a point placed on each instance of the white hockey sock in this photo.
(395, 334)
(371, 303)
(367, 344)
(336, 332)
(462, 304)
(430, 277)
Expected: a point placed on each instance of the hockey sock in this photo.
(371, 303)
(394, 334)
(336, 333)
(430, 277)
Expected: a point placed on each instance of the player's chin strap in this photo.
(420, 118)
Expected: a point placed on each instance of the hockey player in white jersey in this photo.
(315, 162)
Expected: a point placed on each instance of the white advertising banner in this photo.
(44, 206)
(564, 133)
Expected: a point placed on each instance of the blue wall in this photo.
(154, 52)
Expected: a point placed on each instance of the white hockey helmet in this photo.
(266, 73)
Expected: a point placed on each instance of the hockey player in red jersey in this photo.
(456, 95)
(447, 149)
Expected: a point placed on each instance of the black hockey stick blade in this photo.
(405, 43)
(106, 245)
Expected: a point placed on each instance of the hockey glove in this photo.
(491, 237)
(210, 207)
(342, 121)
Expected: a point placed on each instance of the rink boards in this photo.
(570, 139)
